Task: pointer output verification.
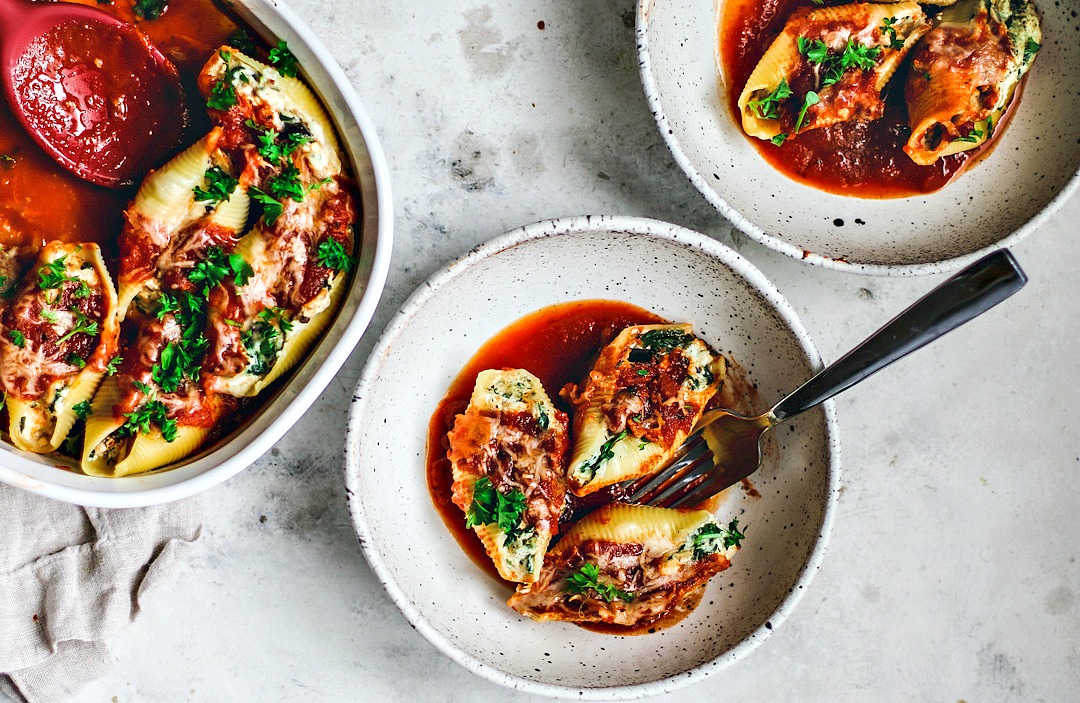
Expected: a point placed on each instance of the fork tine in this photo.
(694, 474)
(641, 490)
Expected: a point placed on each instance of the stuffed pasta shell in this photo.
(828, 65)
(60, 332)
(301, 245)
(508, 458)
(638, 404)
(629, 565)
(192, 203)
(964, 75)
(156, 409)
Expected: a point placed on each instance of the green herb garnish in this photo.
(82, 326)
(219, 186)
(888, 28)
(768, 108)
(810, 99)
(17, 338)
(587, 578)
(76, 360)
(82, 409)
(283, 59)
(491, 507)
(153, 412)
(150, 9)
(114, 365)
(712, 538)
(331, 254)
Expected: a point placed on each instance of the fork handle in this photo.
(966, 295)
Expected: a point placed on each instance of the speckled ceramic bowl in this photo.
(998, 202)
(676, 273)
(226, 458)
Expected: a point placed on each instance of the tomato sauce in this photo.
(863, 159)
(557, 345)
(40, 201)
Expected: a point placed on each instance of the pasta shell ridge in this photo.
(622, 523)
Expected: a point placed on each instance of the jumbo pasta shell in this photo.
(963, 78)
(41, 424)
(665, 529)
(783, 63)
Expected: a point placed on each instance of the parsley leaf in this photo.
(49, 316)
(272, 207)
(18, 338)
(82, 409)
(82, 326)
(542, 419)
(332, 255)
(216, 266)
(283, 59)
(181, 359)
(767, 108)
(153, 412)
(779, 139)
(241, 40)
(76, 360)
(219, 186)
(53, 274)
(1030, 49)
(712, 538)
(114, 365)
(150, 9)
(810, 99)
(264, 340)
(587, 578)
(971, 137)
(490, 506)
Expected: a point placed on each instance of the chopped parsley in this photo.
(114, 365)
(713, 538)
(223, 93)
(888, 28)
(181, 359)
(82, 326)
(150, 9)
(810, 99)
(833, 66)
(82, 409)
(18, 338)
(332, 255)
(219, 186)
(491, 507)
(587, 578)
(53, 274)
(283, 59)
(285, 185)
(768, 108)
(779, 139)
(152, 413)
(76, 360)
(218, 265)
(143, 388)
(661, 339)
(275, 147)
(49, 316)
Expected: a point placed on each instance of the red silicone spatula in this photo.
(91, 90)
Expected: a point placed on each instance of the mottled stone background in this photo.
(952, 571)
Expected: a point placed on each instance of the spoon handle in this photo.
(966, 295)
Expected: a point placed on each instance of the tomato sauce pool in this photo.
(39, 200)
(557, 345)
(861, 159)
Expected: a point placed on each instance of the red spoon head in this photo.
(92, 91)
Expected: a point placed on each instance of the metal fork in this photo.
(727, 447)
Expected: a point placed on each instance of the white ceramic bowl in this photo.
(676, 273)
(1010, 194)
(212, 466)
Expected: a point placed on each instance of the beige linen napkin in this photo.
(71, 576)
